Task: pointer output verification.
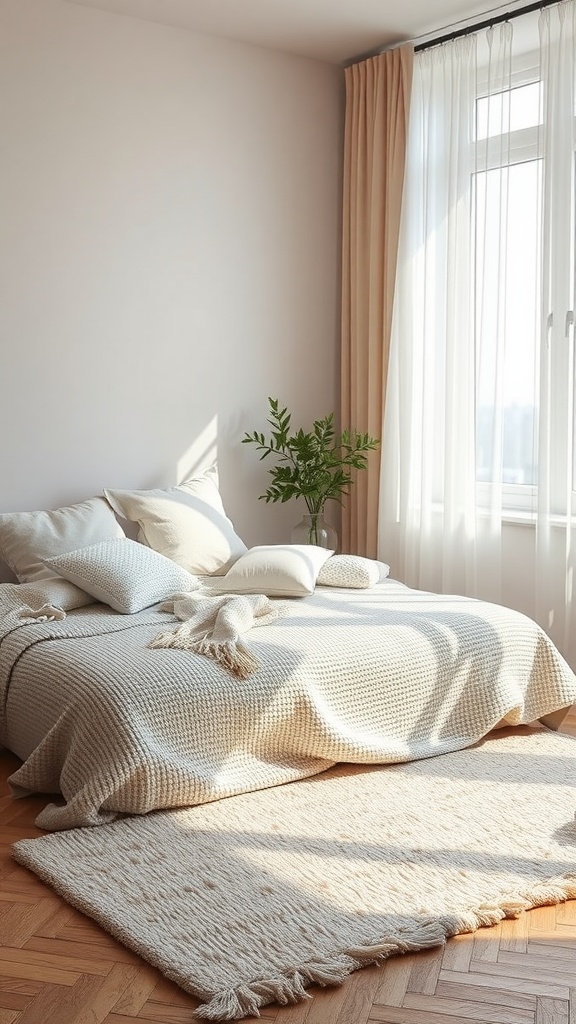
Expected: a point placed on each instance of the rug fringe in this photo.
(290, 987)
(541, 894)
(423, 936)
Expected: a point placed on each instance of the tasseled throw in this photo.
(212, 626)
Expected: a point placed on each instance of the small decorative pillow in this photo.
(276, 570)
(124, 574)
(186, 523)
(28, 538)
(352, 571)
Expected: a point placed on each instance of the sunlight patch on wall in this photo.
(200, 454)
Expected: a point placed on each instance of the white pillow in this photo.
(186, 523)
(124, 574)
(277, 570)
(28, 538)
(353, 571)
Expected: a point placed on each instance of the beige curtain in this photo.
(377, 107)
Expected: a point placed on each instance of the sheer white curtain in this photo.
(478, 469)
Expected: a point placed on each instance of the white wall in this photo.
(169, 255)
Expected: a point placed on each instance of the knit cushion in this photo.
(352, 571)
(123, 574)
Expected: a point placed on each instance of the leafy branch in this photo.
(314, 465)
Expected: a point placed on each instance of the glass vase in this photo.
(313, 529)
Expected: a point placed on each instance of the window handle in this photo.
(569, 322)
(549, 324)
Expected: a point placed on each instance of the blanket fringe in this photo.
(290, 987)
(212, 626)
(233, 656)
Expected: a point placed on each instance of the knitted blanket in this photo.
(370, 676)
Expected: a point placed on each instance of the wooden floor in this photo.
(58, 967)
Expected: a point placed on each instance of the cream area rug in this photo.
(251, 899)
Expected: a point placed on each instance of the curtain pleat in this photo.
(376, 125)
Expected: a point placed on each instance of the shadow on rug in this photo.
(249, 900)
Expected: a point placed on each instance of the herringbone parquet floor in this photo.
(58, 967)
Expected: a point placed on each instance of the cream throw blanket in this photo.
(213, 626)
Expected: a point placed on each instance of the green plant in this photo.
(314, 465)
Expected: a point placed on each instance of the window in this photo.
(519, 348)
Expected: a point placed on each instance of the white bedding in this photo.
(368, 676)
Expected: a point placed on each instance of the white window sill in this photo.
(513, 517)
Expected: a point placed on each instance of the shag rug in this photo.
(250, 900)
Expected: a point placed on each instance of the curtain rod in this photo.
(497, 19)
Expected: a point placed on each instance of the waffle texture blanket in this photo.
(383, 675)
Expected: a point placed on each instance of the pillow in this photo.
(352, 571)
(277, 570)
(123, 574)
(186, 523)
(27, 538)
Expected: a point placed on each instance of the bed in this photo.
(384, 674)
(370, 672)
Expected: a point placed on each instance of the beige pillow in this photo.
(186, 523)
(123, 574)
(27, 538)
(277, 570)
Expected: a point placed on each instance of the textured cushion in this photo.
(124, 574)
(27, 538)
(186, 523)
(277, 570)
(352, 571)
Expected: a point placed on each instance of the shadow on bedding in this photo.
(482, 675)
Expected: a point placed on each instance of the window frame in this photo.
(523, 145)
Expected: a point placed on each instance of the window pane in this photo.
(508, 111)
(507, 319)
